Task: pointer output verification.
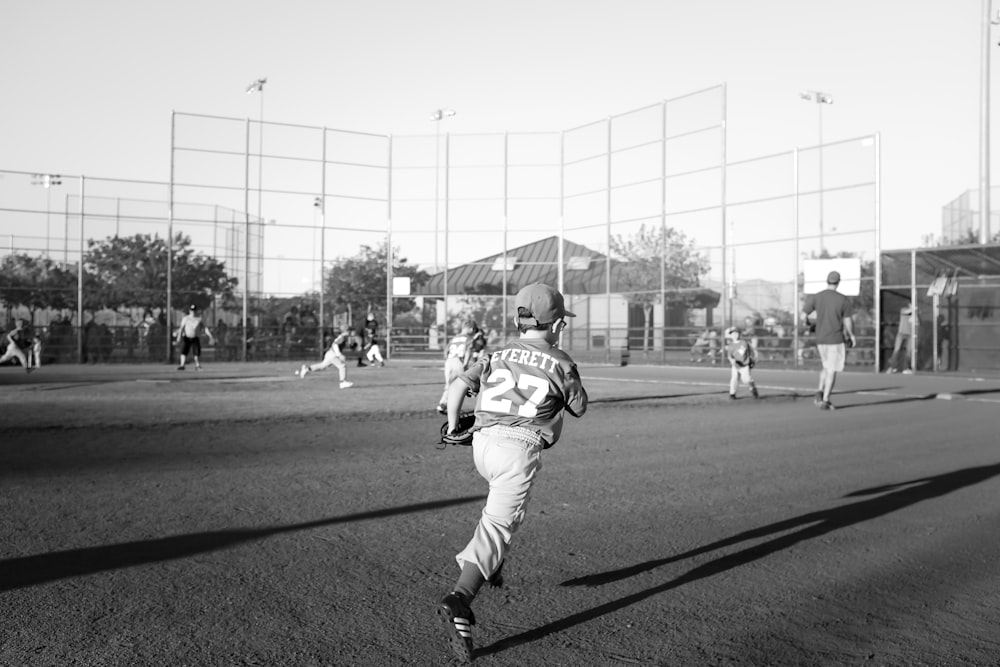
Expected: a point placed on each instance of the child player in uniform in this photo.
(742, 359)
(456, 360)
(522, 391)
(333, 357)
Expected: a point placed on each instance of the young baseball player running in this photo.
(333, 357)
(17, 340)
(189, 337)
(456, 360)
(521, 392)
(742, 359)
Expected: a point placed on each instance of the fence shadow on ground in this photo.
(810, 526)
(33, 570)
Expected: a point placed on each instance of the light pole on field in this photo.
(258, 87)
(47, 181)
(984, 122)
(437, 117)
(820, 98)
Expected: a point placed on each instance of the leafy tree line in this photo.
(119, 274)
(130, 273)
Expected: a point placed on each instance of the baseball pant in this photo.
(374, 354)
(739, 374)
(510, 468)
(331, 358)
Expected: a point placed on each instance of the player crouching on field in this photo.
(742, 358)
(521, 393)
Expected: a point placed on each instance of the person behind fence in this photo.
(834, 327)
(372, 349)
(477, 344)
(704, 346)
(456, 360)
(189, 336)
(742, 358)
(900, 359)
(18, 340)
(522, 394)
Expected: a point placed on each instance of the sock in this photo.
(469, 582)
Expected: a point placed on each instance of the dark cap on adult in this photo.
(193, 308)
(544, 303)
(833, 278)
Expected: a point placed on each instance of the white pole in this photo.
(984, 129)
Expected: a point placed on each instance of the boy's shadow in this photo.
(810, 526)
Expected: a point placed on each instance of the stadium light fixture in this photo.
(820, 98)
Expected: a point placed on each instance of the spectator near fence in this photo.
(899, 361)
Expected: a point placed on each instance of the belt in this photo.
(516, 433)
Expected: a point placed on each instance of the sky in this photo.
(89, 87)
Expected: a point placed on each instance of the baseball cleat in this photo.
(442, 408)
(818, 400)
(458, 619)
(345, 384)
(826, 405)
(302, 371)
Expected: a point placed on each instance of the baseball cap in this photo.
(833, 278)
(545, 303)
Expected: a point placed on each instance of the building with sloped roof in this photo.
(605, 317)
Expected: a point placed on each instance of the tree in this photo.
(37, 283)
(639, 273)
(131, 272)
(356, 284)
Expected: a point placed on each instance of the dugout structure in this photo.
(956, 294)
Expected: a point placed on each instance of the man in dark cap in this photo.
(834, 326)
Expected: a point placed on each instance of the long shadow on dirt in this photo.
(812, 525)
(33, 570)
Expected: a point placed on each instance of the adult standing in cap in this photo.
(188, 336)
(522, 392)
(834, 326)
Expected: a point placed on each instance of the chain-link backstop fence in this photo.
(283, 233)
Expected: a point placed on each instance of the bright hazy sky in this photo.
(88, 87)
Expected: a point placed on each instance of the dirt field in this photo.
(240, 516)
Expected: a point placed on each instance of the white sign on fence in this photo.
(817, 270)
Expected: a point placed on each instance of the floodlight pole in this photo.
(437, 116)
(47, 181)
(984, 125)
(258, 87)
(820, 98)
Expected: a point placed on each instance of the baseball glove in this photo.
(462, 435)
